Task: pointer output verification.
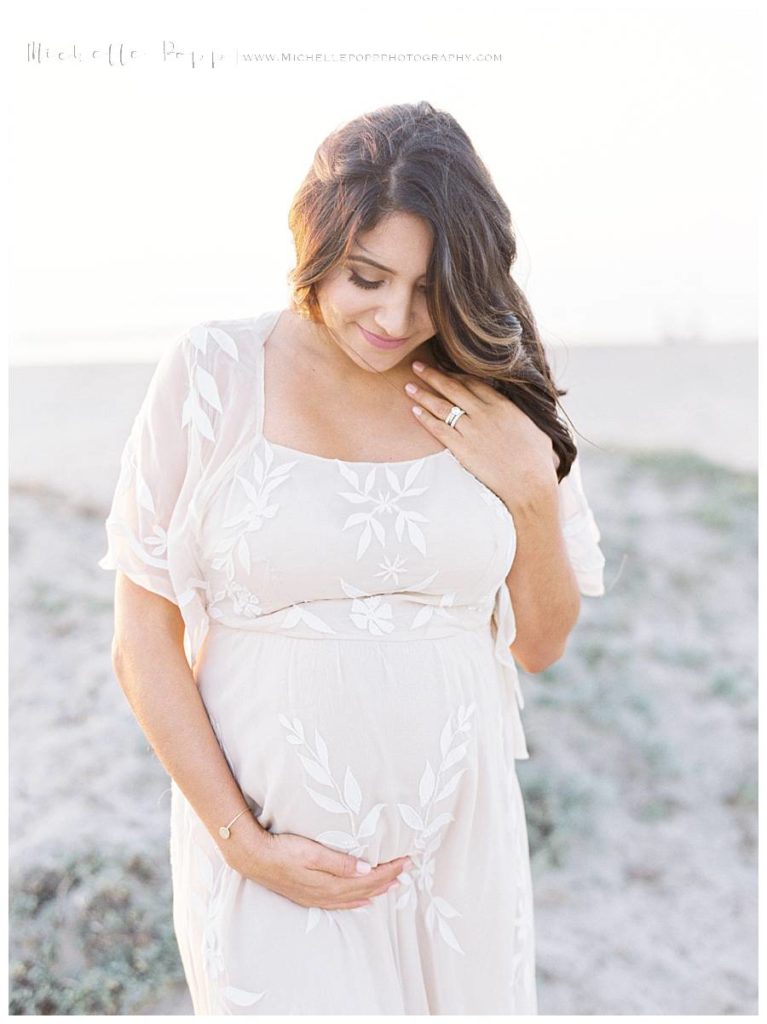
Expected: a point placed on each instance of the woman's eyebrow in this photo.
(380, 266)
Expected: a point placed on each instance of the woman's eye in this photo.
(362, 282)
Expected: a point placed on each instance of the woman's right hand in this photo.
(313, 875)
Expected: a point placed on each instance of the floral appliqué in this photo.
(384, 503)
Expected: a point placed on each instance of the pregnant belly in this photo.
(376, 748)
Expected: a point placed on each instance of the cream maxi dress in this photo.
(348, 625)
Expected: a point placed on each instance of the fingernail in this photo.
(363, 867)
(417, 365)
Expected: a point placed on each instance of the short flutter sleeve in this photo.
(581, 533)
(153, 468)
(197, 414)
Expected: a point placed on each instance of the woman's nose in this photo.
(395, 322)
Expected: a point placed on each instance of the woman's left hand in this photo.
(495, 440)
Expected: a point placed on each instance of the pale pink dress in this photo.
(348, 624)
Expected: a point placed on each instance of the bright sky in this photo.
(151, 196)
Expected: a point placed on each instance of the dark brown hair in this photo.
(413, 158)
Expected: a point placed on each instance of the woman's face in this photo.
(366, 306)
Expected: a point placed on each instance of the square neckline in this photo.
(311, 455)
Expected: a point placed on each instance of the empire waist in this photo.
(378, 617)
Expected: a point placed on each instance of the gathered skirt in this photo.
(378, 748)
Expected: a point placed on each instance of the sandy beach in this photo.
(641, 789)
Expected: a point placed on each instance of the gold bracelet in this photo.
(224, 829)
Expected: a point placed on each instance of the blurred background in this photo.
(155, 155)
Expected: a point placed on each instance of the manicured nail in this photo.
(411, 389)
(417, 365)
(417, 410)
(363, 867)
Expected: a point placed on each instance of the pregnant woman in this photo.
(338, 527)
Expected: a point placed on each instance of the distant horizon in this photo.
(697, 397)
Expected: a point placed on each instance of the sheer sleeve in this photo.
(152, 470)
(581, 533)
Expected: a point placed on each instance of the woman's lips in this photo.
(381, 342)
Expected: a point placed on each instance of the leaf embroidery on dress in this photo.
(297, 613)
(192, 412)
(346, 800)
(239, 997)
(432, 788)
(158, 541)
(206, 388)
(430, 611)
(202, 384)
(384, 503)
(374, 614)
(200, 333)
(188, 594)
(265, 477)
(151, 548)
(211, 908)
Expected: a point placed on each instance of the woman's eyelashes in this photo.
(362, 282)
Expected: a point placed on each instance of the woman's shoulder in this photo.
(213, 371)
(222, 347)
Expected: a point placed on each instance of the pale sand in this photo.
(641, 790)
